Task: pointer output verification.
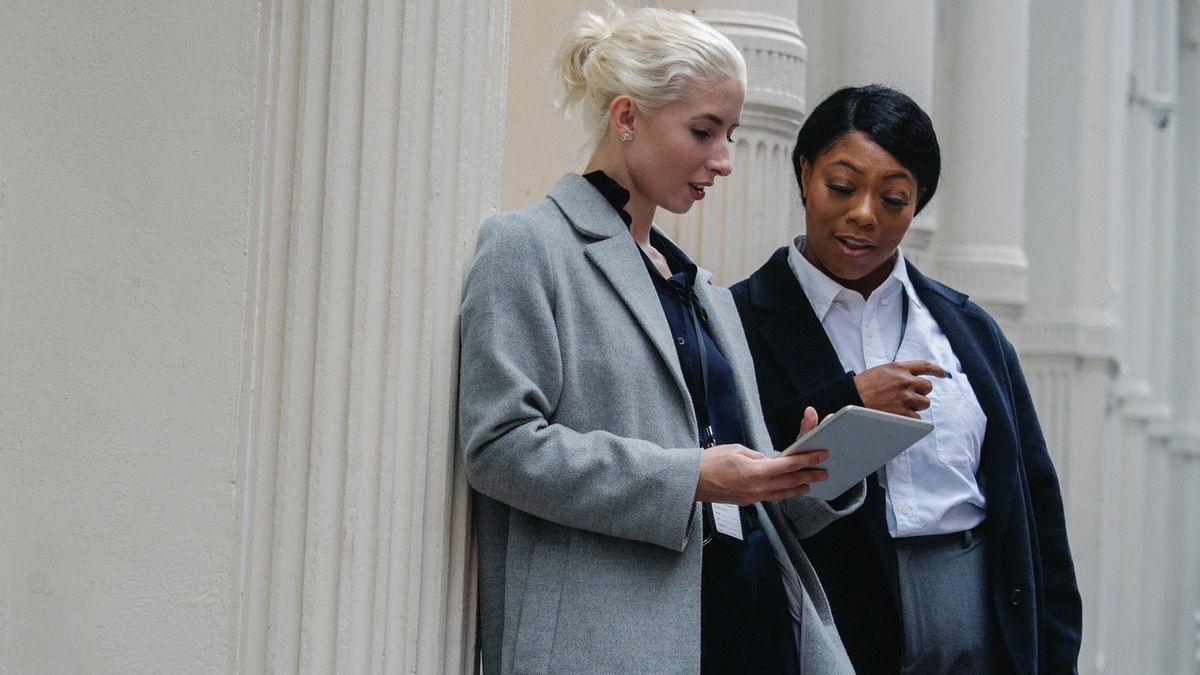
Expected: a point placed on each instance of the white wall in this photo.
(125, 146)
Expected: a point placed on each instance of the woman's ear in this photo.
(805, 176)
(622, 116)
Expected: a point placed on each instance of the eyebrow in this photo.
(894, 174)
(715, 119)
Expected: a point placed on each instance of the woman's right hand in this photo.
(898, 388)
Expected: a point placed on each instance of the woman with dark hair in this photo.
(958, 561)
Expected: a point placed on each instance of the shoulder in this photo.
(514, 254)
(531, 235)
(757, 289)
(946, 297)
(532, 222)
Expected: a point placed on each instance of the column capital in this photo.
(995, 277)
(735, 230)
(775, 55)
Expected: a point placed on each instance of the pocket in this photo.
(537, 623)
(958, 422)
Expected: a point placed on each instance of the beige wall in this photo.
(540, 145)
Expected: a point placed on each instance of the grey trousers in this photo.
(946, 606)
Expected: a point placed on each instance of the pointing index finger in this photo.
(924, 368)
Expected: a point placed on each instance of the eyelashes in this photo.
(705, 135)
(896, 202)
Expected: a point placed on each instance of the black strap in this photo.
(903, 321)
(706, 431)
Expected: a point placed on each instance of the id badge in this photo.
(727, 518)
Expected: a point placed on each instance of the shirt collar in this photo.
(901, 275)
(821, 291)
(618, 197)
(612, 191)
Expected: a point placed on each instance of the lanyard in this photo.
(706, 429)
(903, 322)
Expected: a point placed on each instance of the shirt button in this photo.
(884, 302)
(906, 509)
(680, 341)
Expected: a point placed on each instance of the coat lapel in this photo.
(790, 327)
(981, 357)
(616, 255)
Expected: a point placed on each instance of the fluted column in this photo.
(1146, 303)
(1066, 335)
(1183, 609)
(380, 145)
(980, 111)
(751, 213)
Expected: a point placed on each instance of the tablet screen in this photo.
(859, 441)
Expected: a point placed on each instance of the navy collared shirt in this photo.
(745, 622)
(720, 409)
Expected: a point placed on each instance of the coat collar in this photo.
(616, 254)
(586, 209)
(788, 324)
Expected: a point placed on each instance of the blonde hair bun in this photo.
(649, 54)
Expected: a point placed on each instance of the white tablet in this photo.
(859, 441)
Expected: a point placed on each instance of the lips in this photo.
(698, 189)
(853, 247)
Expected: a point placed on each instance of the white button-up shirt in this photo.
(930, 488)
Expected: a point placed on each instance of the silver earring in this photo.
(625, 136)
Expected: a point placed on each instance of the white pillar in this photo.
(1075, 173)
(380, 147)
(980, 112)
(735, 229)
(1146, 303)
(1183, 610)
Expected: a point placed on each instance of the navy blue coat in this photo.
(1034, 592)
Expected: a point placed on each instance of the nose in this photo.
(861, 212)
(721, 163)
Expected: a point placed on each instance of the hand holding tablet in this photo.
(859, 441)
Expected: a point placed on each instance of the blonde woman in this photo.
(608, 412)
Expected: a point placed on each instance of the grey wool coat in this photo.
(580, 440)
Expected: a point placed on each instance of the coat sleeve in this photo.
(783, 419)
(805, 515)
(510, 386)
(809, 515)
(1062, 608)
